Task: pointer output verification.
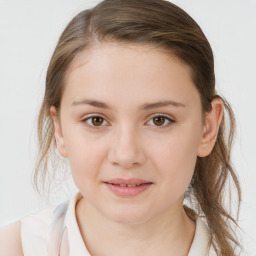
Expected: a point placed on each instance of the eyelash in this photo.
(170, 121)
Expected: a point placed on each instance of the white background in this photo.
(28, 34)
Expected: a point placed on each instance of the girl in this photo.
(130, 101)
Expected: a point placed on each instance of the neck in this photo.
(169, 234)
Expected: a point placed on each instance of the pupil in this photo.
(159, 120)
(97, 121)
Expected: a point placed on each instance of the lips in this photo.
(127, 187)
(127, 182)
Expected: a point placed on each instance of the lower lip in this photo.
(128, 191)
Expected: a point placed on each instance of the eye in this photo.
(94, 121)
(161, 121)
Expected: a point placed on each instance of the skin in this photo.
(130, 143)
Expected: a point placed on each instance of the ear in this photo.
(211, 128)
(60, 143)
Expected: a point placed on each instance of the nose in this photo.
(126, 149)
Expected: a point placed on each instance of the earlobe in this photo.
(59, 140)
(210, 131)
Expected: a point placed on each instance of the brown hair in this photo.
(165, 25)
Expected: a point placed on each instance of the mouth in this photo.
(127, 182)
(128, 187)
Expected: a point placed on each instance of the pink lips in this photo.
(120, 186)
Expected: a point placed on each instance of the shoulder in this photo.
(38, 229)
(32, 233)
(27, 235)
(10, 239)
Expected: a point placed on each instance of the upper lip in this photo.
(127, 181)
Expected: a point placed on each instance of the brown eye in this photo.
(97, 120)
(159, 120)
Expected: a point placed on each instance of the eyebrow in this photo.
(146, 106)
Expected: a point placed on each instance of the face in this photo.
(130, 112)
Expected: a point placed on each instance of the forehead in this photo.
(125, 70)
(110, 50)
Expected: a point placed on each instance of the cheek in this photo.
(85, 158)
(176, 160)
